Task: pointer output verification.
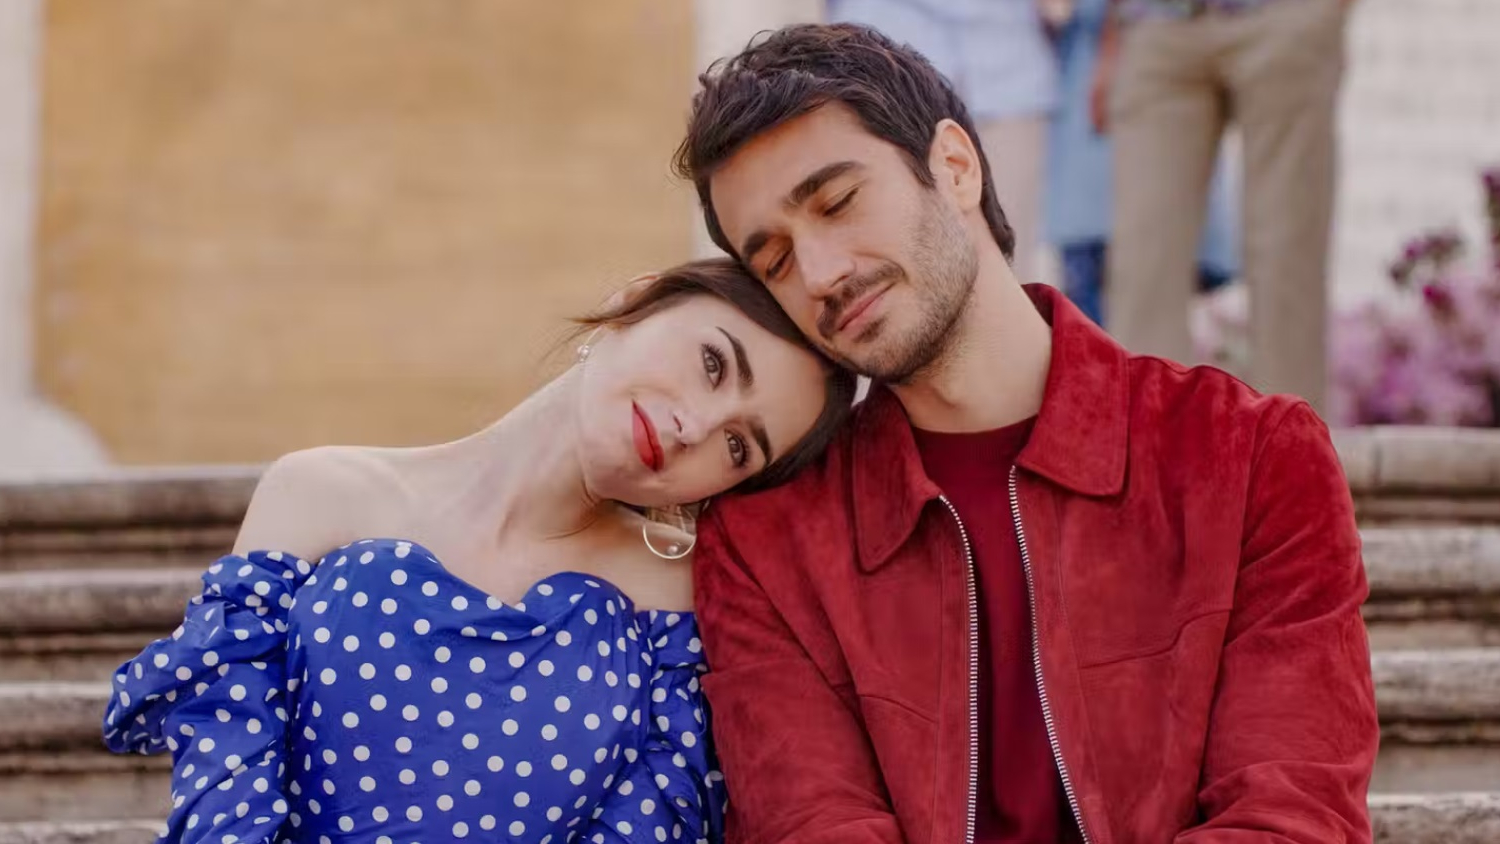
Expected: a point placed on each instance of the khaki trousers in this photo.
(1274, 71)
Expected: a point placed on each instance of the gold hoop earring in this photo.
(674, 529)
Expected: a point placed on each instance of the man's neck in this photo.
(994, 371)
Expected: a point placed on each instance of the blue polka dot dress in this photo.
(375, 697)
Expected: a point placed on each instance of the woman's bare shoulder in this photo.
(309, 502)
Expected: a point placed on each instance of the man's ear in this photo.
(633, 288)
(957, 164)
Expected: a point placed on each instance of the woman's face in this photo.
(691, 401)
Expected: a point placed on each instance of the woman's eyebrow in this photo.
(741, 362)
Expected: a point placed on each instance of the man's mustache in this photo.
(852, 291)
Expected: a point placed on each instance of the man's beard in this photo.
(947, 266)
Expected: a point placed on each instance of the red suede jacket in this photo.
(1195, 581)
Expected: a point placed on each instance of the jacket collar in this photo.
(1079, 441)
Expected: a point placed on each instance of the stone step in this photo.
(1431, 587)
(1471, 818)
(1405, 474)
(181, 515)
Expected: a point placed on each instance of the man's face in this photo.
(873, 266)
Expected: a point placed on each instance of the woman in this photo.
(489, 644)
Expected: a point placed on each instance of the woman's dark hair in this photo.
(896, 93)
(726, 279)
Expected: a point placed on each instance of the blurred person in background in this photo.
(1173, 74)
(1079, 174)
(490, 638)
(997, 56)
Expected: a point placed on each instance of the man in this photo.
(1173, 74)
(1040, 589)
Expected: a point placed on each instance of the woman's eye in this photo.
(713, 364)
(739, 454)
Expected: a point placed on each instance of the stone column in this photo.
(34, 437)
(723, 28)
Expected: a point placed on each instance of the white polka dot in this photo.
(510, 727)
(591, 617)
(460, 830)
(232, 761)
(600, 755)
(398, 577)
(161, 660)
(445, 719)
(445, 803)
(237, 692)
(387, 640)
(388, 606)
(562, 703)
(496, 764)
(360, 599)
(689, 740)
(440, 768)
(472, 788)
(476, 665)
(206, 745)
(253, 726)
(322, 635)
(184, 674)
(624, 827)
(329, 757)
(407, 776)
(403, 672)
(460, 603)
(210, 658)
(422, 626)
(659, 696)
(442, 655)
(549, 733)
(471, 741)
(585, 673)
(367, 671)
(403, 745)
(517, 660)
(346, 824)
(517, 693)
(381, 815)
(473, 701)
(603, 648)
(430, 589)
(439, 685)
(591, 721)
(362, 753)
(487, 822)
(409, 712)
(522, 799)
(545, 668)
(366, 557)
(517, 828)
(414, 814)
(559, 762)
(554, 814)
(320, 607)
(564, 638)
(351, 643)
(328, 676)
(351, 720)
(577, 777)
(367, 784)
(523, 769)
(620, 713)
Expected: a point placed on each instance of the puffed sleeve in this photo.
(672, 790)
(215, 693)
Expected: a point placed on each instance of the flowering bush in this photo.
(1431, 356)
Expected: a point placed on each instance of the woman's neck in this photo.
(522, 476)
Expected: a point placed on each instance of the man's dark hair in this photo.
(897, 94)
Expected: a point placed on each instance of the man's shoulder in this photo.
(1172, 396)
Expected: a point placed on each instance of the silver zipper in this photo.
(1036, 661)
(963, 534)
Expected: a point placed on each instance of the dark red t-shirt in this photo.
(1021, 797)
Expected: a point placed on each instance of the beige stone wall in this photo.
(267, 224)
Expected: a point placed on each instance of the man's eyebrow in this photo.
(799, 194)
(741, 362)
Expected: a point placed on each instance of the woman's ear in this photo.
(619, 299)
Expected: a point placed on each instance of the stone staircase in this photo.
(92, 570)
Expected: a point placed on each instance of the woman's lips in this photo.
(644, 434)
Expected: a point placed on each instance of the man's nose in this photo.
(825, 265)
